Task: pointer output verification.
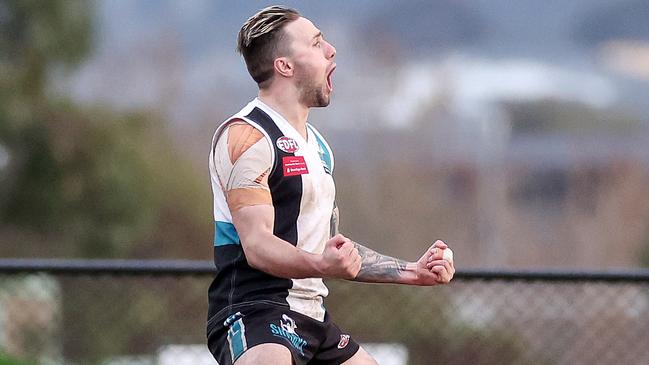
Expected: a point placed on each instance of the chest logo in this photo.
(287, 144)
(294, 165)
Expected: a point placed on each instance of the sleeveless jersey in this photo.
(302, 193)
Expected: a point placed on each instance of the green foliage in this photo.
(7, 360)
(82, 177)
(35, 38)
(86, 181)
(89, 181)
(54, 31)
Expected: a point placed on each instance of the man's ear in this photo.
(284, 67)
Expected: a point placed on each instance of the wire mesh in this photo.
(121, 318)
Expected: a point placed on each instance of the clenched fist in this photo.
(340, 259)
(439, 260)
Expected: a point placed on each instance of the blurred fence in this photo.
(153, 313)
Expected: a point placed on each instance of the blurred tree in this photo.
(35, 37)
(86, 180)
(71, 174)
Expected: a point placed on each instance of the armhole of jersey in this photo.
(324, 142)
(223, 125)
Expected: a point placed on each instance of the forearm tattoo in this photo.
(378, 268)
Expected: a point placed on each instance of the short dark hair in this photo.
(260, 41)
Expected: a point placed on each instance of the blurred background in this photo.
(517, 132)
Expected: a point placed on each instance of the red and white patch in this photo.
(287, 144)
(344, 340)
(294, 165)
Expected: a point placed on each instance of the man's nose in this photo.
(331, 51)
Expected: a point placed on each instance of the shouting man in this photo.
(275, 216)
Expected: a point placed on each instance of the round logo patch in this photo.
(287, 144)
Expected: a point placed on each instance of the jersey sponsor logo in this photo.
(344, 340)
(286, 330)
(294, 165)
(287, 144)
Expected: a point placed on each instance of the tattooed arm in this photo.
(378, 268)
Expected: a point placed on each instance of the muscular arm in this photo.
(267, 252)
(342, 258)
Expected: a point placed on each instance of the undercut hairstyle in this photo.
(262, 39)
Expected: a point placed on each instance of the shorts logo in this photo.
(344, 340)
(287, 144)
(286, 330)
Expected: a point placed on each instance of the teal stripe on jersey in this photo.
(324, 153)
(225, 234)
(237, 339)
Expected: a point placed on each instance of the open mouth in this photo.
(330, 83)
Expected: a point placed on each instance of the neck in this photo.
(288, 106)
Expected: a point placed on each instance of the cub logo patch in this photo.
(287, 144)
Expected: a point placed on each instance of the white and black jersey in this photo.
(257, 157)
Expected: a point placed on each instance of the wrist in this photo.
(316, 263)
(409, 274)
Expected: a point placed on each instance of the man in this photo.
(275, 216)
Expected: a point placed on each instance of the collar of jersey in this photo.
(278, 118)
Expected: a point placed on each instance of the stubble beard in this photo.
(311, 92)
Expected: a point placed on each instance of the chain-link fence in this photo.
(154, 314)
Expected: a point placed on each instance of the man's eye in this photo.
(317, 44)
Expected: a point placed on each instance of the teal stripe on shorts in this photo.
(237, 339)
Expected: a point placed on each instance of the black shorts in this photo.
(310, 341)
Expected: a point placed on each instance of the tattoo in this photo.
(377, 268)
